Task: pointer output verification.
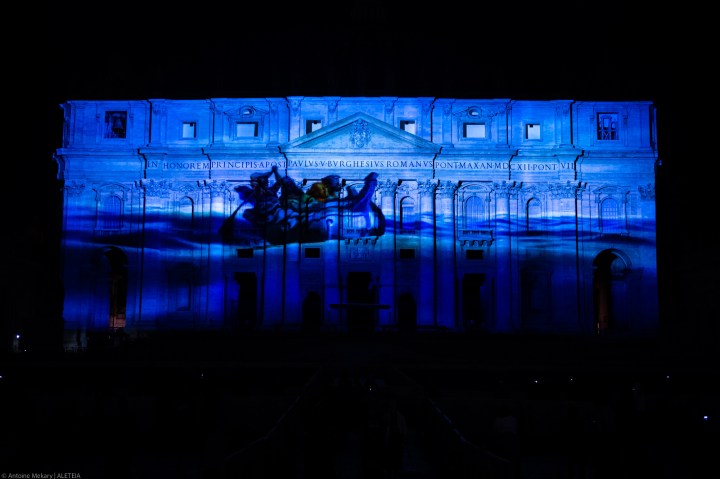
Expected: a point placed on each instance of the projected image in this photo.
(476, 221)
(283, 213)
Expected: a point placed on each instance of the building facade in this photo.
(359, 213)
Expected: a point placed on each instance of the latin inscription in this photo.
(363, 164)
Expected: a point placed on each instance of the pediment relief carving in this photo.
(360, 132)
(478, 112)
(246, 112)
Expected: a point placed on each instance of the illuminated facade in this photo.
(490, 215)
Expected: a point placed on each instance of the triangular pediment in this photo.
(360, 133)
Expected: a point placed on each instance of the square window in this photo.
(407, 253)
(532, 131)
(246, 129)
(408, 125)
(115, 124)
(474, 130)
(607, 126)
(312, 125)
(474, 254)
(188, 129)
(312, 252)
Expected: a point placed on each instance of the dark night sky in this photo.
(525, 50)
(568, 50)
(572, 50)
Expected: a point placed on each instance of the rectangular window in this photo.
(246, 129)
(407, 253)
(111, 213)
(474, 254)
(188, 129)
(184, 219)
(607, 126)
(532, 131)
(408, 125)
(115, 124)
(245, 253)
(312, 252)
(312, 125)
(407, 214)
(474, 130)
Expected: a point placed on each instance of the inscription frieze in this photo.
(352, 163)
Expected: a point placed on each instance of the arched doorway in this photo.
(611, 268)
(114, 279)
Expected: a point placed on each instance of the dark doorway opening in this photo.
(312, 314)
(118, 279)
(407, 314)
(610, 272)
(473, 314)
(360, 302)
(247, 299)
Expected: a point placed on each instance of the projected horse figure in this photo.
(283, 213)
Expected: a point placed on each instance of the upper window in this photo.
(610, 217)
(474, 130)
(111, 213)
(533, 215)
(607, 126)
(312, 125)
(185, 214)
(474, 213)
(532, 131)
(246, 124)
(189, 130)
(407, 213)
(246, 129)
(115, 124)
(354, 222)
(409, 126)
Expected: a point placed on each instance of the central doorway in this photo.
(360, 302)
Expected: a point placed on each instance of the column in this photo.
(426, 300)
(446, 269)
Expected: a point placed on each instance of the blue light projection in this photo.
(294, 215)
(490, 216)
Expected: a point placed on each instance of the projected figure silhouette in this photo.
(283, 213)
(263, 199)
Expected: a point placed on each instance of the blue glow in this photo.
(284, 213)
(360, 225)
